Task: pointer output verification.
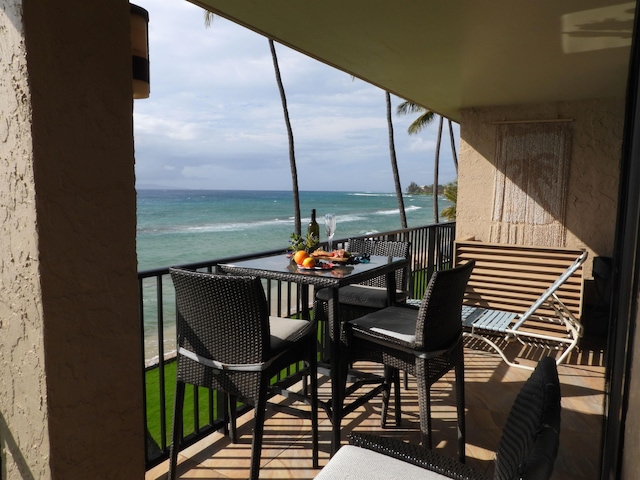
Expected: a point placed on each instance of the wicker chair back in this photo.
(529, 443)
(383, 248)
(438, 323)
(222, 317)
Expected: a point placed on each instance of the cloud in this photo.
(214, 118)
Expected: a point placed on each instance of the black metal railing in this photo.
(431, 250)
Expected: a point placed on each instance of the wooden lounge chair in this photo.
(500, 303)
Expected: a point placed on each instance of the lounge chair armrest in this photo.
(416, 455)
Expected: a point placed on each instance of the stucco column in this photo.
(70, 367)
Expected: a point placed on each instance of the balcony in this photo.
(491, 386)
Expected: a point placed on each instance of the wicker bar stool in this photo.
(425, 342)
(361, 299)
(227, 341)
(371, 295)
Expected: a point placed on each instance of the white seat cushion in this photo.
(355, 463)
(283, 329)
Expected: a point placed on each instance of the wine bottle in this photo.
(313, 231)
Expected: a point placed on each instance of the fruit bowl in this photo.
(317, 266)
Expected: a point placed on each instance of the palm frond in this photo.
(449, 213)
(208, 18)
(451, 194)
(407, 107)
(425, 118)
(451, 191)
(421, 122)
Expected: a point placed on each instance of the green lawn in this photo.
(152, 378)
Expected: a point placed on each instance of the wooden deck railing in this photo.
(432, 250)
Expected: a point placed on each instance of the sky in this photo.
(214, 117)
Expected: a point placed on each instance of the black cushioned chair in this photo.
(425, 342)
(371, 295)
(527, 449)
(361, 299)
(227, 341)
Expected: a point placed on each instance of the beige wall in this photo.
(597, 131)
(70, 367)
(24, 434)
(593, 174)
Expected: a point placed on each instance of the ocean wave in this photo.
(243, 226)
(238, 226)
(340, 218)
(373, 194)
(215, 227)
(396, 211)
(351, 217)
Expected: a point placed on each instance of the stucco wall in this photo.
(70, 363)
(24, 433)
(593, 174)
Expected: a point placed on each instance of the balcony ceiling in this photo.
(448, 55)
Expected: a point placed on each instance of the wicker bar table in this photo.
(280, 267)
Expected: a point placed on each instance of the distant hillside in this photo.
(415, 189)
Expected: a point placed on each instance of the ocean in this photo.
(186, 226)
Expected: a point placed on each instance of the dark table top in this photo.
(281, 267)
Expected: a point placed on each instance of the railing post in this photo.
(431, 252)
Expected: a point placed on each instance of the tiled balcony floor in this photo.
(491, 387)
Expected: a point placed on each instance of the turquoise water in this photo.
(184, 226)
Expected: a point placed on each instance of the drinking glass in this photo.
(330, 227)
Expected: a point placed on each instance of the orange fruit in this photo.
(309, 262)
(299, 256)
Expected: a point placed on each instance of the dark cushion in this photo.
(362, 295)
(396, 322)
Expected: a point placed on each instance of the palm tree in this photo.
(292, 155)
(453, 148)
(297, 225)
(436, 173)
(425, 118)
(394, 165)
(451, 194)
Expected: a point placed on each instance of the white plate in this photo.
(316, 268)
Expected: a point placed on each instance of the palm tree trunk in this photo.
(436, 167)
(394, 165)
(292, 156)
(453, 146)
